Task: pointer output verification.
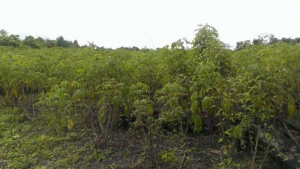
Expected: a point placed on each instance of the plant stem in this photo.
(255, 150)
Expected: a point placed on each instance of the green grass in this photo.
(28, 143)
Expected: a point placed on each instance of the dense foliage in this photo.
(207, 89)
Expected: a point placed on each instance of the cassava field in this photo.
(188, 105)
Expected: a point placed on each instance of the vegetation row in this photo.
(206, 89)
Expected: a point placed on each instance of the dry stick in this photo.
(183, 160)
(33, 109)
(296, 126)
(290, 134)
(255, 150)
(93, 128)
(265, 157)
(187, 127)
(29, 117)
(222, 127)
(251, 143)
(152, 150)
(107, 133)
(93, 125)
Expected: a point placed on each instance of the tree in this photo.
(92, 45)
(242, 44)
(211, 51)
(50, 43)
(11, 40)
(273, 39)
(3, 33)
(179, 44)
(261, 39)
(75, 43)
(289, 41)
(61, 42)
(297, 40)
(206, 36)
(30, 41)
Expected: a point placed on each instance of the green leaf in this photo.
(197, 121)
(195, 108)
(207, 103)
(220, 140)
(70, 124)
(194, 96)
(226, 104)
(291, 108)
(238, 132)
(246, 121)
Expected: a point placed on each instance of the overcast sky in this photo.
(150, 23)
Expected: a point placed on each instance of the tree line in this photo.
(7, 39)
(267, 39)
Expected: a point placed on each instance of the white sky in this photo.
(150, 23)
